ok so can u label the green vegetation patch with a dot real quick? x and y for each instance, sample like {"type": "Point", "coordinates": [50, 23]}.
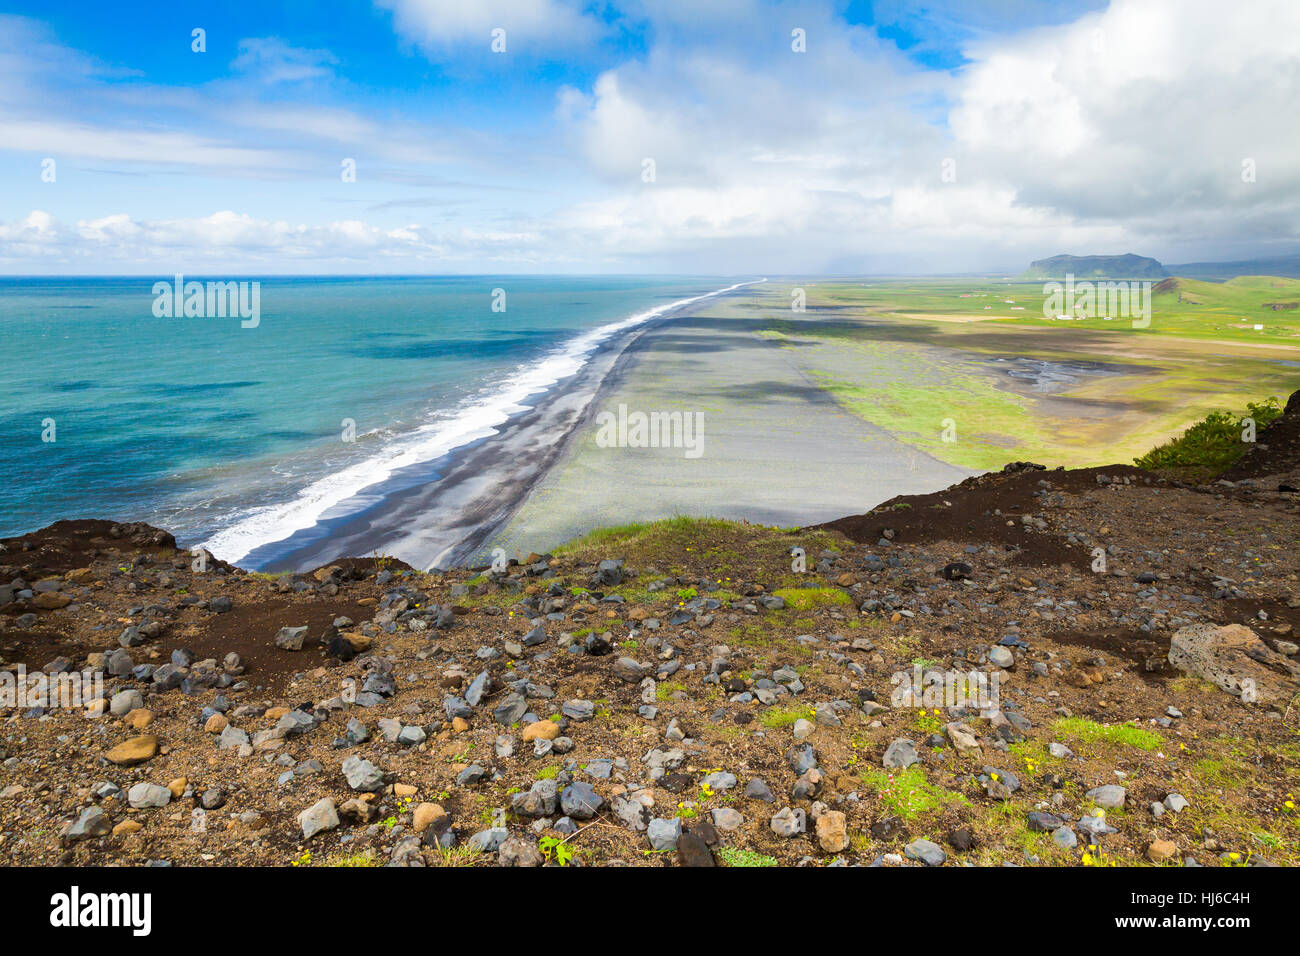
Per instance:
{"type": "Point", "coordinates": [776, 717]}
{"type": "Point", "coordinates": [1214, 444]}
{"type": "Point", "coordinates": [733, 857]}
{"type": "Point", "coordinates": [907, 793]}
{"type": "Point", "coordinates": [1090, 731]}
{"type": "Point", "coordinates": [803, 599]}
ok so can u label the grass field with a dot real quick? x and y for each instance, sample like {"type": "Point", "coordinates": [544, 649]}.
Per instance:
{"type": "Point", "coordinates": [928, 362]}
{"type": "Point", "coordinates": [1181, 307]}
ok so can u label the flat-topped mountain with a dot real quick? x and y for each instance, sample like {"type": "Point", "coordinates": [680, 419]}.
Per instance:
{"type": "Point", "coordinates": [1127, 266]}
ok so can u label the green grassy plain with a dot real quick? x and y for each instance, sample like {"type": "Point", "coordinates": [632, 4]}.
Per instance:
{"type": "Point", "coordinates": [910, 356]}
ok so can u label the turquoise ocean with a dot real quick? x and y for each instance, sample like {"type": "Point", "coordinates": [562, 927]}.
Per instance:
{"type": "Point", "coordinates": [234, 437]}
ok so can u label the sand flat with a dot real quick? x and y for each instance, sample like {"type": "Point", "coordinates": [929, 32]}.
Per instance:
{"type": "Point", "coordinates": [777, 448]}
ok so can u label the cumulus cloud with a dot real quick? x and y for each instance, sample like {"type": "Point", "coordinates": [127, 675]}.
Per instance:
{"type": "Point", "coordinates": [1124, 128]}
{"type": "Point", "coordinates": [1128, 126]}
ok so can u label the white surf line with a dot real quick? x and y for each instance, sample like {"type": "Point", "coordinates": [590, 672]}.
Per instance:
{"type": "Point", "coordinates": [326, 497]}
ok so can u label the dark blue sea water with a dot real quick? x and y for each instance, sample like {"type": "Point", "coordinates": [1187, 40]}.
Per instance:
{"type": "Point", "coordinates": [234, 436]}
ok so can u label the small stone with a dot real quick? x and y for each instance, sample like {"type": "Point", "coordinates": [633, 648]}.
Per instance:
{"type": "Point", "coordinates": [727, 819]}
{"type": "Point", "coordinates": [832, 831]}
{"type": "Point", "coordinates": [541, 730]}
{"type": "Point", "coordinates": [788, 822]}
{"type": "Point", "coordinates": [519, 851]}
{"type": "Point", "coordinates": [931, 854]}
{"type": "Point", "coordinates": [133, 751]}
{"type": "Point", "coordinates": [1064, 837]}
{"type": "Point", "coordinates": [320, 816]}
{"type": "Point", "coordinates": [92, 823]}
{"type": "Point", "coordinates": [1176, 802]}
{"type": "Point", "coordinates": [663, 834]}
{"type": "Point", "coordinates": [216, 724]}
{"type": "Point", "coordinates": [291, 638]}
{"type": "Point", "coordinates": [1161, 850]}
{"type": "Point", "coordinates": [362, 775]}
{"type": "Point", "coordinates": [125, 701]}
{"type": "Point", "coordinates": [144, 795]}
{"type": "Point", "coordinates": [580, 801]}
{"type": "Point", "coordinates": [1109, 797]}
{"type": "Point", "coordinates": [901, 754]}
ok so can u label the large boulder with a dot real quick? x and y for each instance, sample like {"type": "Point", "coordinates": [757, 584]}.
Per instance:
{"type": "Point", "coordinates": [1234, 658]}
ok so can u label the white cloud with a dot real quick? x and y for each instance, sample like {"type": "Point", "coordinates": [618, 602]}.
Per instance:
{"type": "Point", "coordinates": [1124, 130]}
{"type": "Point", "coordinates": [271, 60]}
{"type": "Point", "coordinates": [533, 27]}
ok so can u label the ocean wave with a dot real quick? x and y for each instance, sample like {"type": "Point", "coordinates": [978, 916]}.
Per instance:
{"type": "Point", "coordinates": [476, 419]}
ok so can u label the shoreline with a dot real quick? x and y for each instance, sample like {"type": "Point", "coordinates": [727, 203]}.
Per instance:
{"type": "Point", "coordinates": [437, 514]}
{"type": "Point", "coordinates": [778, 449]}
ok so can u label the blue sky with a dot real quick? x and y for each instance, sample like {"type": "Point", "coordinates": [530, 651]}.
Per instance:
{"type": "Point", "coordinates": [903, 137]}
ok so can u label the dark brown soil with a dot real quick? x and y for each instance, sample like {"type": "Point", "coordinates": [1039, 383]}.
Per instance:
{"type": "Point", "coordinates": [983, 509]}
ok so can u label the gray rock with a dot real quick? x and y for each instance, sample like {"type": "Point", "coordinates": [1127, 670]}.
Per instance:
{"type": "Point", "coordinates": [477, 690]}
{"type": "Point", "coordinates": [519, 851]}
{"type": "Point", "coordinates": [470, 775]}
{"type": "Point", "coordinates": [727, 820]}
{"type": "Point", "coordinates": [118, 663]}
{"type": "Point", "coordinates": [788, 822]}
{"type": "Point", "coordinates": [931, 854]}
{"type": "Point", "coordinates": [540, 801]}
{"type": "Point", "coordinates": [719, 780]}
{"type": "Point", "coordinates": [1095, 826]}
{"type": "Point", "coordinates": [1001, 656]}
{"type": "Point", "coordinates": [168, 677]}
{"type": "Point", "coordinates": [232, 737]}
{"type": "Point", "coordinates": [125, 701]}
{"type": "Point", "coordinates": [901, 754]}
{"type": "Point", "coordinates": [1064, 837]}
{"type": "Point", "coordinates": [290, 638]}
{"type": "Point", "coordinates": [757, 789]}
{"type": "Point", "coordinates": [629, 670]}
{"type": "Point", "coordinates": [144, 795]}
{"type": "Point", "coordinates": [320, 816]}
{"type": "Point", "coordinates": [1176, 802]}
{"type": "Point", "coordinates": [362, 775]}
{"type": "Point", "coordinates": [92, 823]}
{"type": "Point", "coordinates": [488, 841]}
{"type": "Point", "coordinates": [511, 709]}
{"type": "Point", "coordinates": [609, 572]}
{"type": "Point", "coordinates": [1109, 797]}
{"type": "Point", "coordinates": [578, 710]}
{"type": "Point", "coordinates": [295, 723]}
{"type": "Point", "coordinates": [580, 801]}
{"type": "Point", "coordinates": [411, 736]}
{"type": "Point", "coordinates": [630, 813]}
{"type": "Point", "coordinates": [664, 834]}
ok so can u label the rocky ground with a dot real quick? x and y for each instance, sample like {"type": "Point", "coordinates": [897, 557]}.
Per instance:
{"type": "Point", "coordinates": [679, 694]}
